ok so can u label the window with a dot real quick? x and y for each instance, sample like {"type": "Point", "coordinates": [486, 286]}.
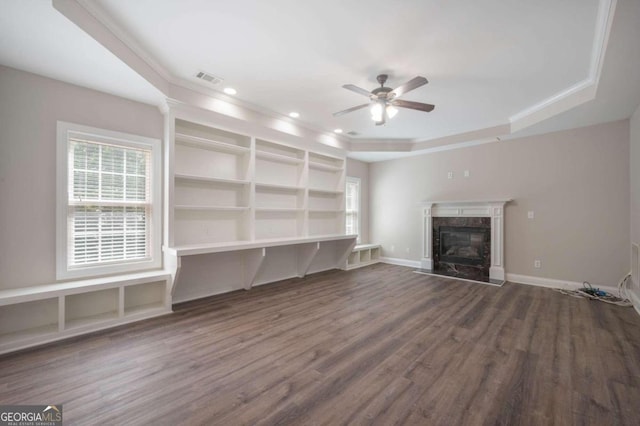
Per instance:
{"type": "Point", "coordinates": [108, 217]}
{"type": "Point", "coordinates": [352, 210]}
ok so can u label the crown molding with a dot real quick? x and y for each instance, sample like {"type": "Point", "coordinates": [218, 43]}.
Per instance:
{"type": "Point", "coordinates": [582, 91]}
{"type": "Point", "coordinates": [97, 23]}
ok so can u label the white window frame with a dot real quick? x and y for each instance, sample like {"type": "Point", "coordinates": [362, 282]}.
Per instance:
{"type": "Point", "coordinates": [65, 131]}
{"type": "Point", "coordinates": [357, 181]}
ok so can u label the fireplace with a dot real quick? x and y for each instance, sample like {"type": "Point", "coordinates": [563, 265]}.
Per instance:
{"type": "Point", "coordinates": [462, 245]}
{"type": "Point", "coordinates": [464, 239]}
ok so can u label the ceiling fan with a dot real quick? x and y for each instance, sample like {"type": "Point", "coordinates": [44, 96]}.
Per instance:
{"type": "Point", "coordinates": [384, 100]}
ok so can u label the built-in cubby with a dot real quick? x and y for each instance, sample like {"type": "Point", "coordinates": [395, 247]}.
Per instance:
{"type": "Point", "coordinates": [325, 222]}
{"type": "Point", "coordinates": [85, 309]}
{"type": "Point", "coordinates": [276, 197]}
{"type": "Point", "coordinates": [363, 255]}
{"type": "Point", "coordinates": [279, 164]}
{"type": "Point", "coordinates": [142, 298]}
{"type": "Point", "coordinates": [28, 320]}
{"type": "Point", "coordinates": [201, 226]}
{"type": "Point", "coordinates": [320, 201]}
{"type": "Point", "coordinates": [276, 223]}
{"type": "Point", "coordinates": [40, 314]}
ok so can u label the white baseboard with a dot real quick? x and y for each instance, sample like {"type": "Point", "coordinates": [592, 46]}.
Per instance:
{"type": "Point", "coordinates": [552, 283]}
{"type": "Point", "coordinates": [401, 262]}
{"type": "Point", "coordinates": [635, 299]}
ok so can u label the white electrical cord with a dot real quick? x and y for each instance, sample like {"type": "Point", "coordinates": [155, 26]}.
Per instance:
{"type": "Point", "coordinates": [587, 292]}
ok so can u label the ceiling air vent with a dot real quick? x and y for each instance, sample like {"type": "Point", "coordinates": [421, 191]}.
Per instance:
{"type": "Point", "coordinates": [352, 133]}
{"type": "Point", "coordinates": [209, 78]}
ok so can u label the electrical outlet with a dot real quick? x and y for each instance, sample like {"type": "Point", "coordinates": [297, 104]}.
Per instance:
{"type": "Point", "coordinates": [449, 175]}
{"type": "Point", "coordinates": [530, 214]}
{"type": "Point", "coordinates": [466, 173]}
{"type": "Point", "coordinates": [408, 250]}
{"type": "Point", "coordinates": [393, 248]}
{"type": "Point", "coordinates": [537, 264]}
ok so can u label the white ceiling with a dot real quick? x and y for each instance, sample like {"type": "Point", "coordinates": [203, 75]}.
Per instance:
{"type": "Point", "coordinates": [35, 37]}
{"type": "Point", "coordinates": [485, 61]}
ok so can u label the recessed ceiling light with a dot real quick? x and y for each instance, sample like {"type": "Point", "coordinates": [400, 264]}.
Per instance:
{"type": "Point", "coordinates": [230, 91]}
{"type": "Point", "coordinates": [338, 130]}
{"type": "Point", "coordinates": [294, 114]}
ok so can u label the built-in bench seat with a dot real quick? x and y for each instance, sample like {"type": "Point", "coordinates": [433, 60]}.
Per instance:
{"type": "Point", "coordinates": [39, 314]}
{"type": "Point", "coordinates": [363, 255]}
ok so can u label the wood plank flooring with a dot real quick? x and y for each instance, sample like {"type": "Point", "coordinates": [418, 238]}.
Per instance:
{"type": "Point", "coordinates": [377, 345]}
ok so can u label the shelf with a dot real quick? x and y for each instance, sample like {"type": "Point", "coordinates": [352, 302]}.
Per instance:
{"type": "Point", "coordinates": [325, 191]}
{"type": "Point", "coordinates": [28, 334]}
{"type": "Point", "coordinates": [211, 179]}
{"type": "Point", "coordinates": [90, 320]}
{"type": "Point", "coordinates": [210, 208]}
{"type": "Point", "coordinates": [17, 295]}
{"type": "Point", "coordinates": [366, 247]}
{"type": "Point", "coordinates": [278, 157]}
{"type": "Point", "coordinates": [321, 166]}
{"type": "Point", "coordinates": [199, 142]}
{"type": "Point", "coordinates": [277, 186]}
{"type": "Point", "coordinates": [195, 249]}
{"type": "Point", "coordinates": [89, 308]}
{"type": "Point", "coordinates": [325, 211]}
{"type": "Point", "coordinates": [144, 309]}
{"type": "Point", "coordinates": [278, 209]}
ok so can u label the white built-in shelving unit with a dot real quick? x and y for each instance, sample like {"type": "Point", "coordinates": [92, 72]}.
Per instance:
{"type": "Point", "coordinates": [249, 199]}
{"type": "Point", "coordinates": [363, 255]}
{"type": "Point", "coordinates": [229, 188]}
{"type": "Point", "coordinates": [45, 313]}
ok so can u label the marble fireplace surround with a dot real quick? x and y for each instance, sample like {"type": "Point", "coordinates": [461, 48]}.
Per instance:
{"type": "Point", "coordinates": [493, 209]}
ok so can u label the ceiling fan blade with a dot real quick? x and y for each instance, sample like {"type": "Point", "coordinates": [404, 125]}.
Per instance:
{"type": "Point", "coordinates": [413, 105]}
{"type": "Point", "coordinates": [355, 108]}
{"type": "Point", "coordinates": [359, 90]}
{"type": "Point", "coordinates": [414, 83]}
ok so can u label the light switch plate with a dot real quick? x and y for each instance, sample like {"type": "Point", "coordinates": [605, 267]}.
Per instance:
{"type": "Point", "coordinates": [530, 215]}
{"type": "Point", "coordinates": [466, 173]}
{"type": "Point", "coordinates": [449, 175]}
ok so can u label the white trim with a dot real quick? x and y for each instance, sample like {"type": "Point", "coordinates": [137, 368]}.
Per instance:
{"type": "Point", "coordinates": [401, 262]}
{"type": "Point", "coordinates": [554, 283]}
{"type": "Point", "coordinates": [580, 92]}
{"type": "Point", "coordinates": [64, 129]}
{"type": "Point", "coordinates": [493, 209]}
{"type": "Point", "coordinates": [358, 182]}
{"type": "Point", "coordinates": [635, 299]}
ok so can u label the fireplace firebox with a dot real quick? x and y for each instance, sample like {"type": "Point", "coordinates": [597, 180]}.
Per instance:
{"type": "Point", "coordinates": [462, 245]}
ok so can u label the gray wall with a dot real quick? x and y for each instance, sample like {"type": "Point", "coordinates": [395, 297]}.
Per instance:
{"type": "Point", "coordinates": [360, 170]}
{"type": "Point", "coordinates": [30, 105]}
{"type": "Point", "coordinates": [635, 188]}
{"type": "Point", "coordinates": [576, 182]}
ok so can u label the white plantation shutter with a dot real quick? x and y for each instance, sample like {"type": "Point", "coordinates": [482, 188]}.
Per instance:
{"type": "Point", "coordinates": [352, 206]}
{"type": "Point", "coordinates": [109, 206]}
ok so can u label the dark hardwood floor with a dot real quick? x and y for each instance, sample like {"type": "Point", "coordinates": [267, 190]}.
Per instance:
{"type": "Point", "coordinates": [376, 345]}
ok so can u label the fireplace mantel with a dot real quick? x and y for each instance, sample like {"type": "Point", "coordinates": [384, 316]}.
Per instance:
{"type": "Point", "coordinates": [466, 208]}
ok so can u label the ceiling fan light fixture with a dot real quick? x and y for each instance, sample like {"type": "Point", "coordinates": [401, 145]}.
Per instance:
{"type": "Point", "coordinates": [376, 111]}
{"type": "Point", "coordinates": [391, 111]}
